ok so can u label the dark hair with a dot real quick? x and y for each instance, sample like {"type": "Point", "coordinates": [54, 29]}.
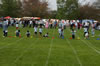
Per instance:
{"type": "Point", "coordinates": [18, 30]}
{"type": "Point", "coordinates": [27, 30]}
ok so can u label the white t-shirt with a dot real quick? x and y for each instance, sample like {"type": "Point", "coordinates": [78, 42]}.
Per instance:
{"type": "Point", "coordinates": [35, 29]}
{"type": "Point", "coordinates": [59, 30]}
{"type": "Point", "coordinates": [30, 22]}
{"type": "Point", "coordinates": [40, 30]}
{"type": "Point", "coordinates": [76, 24]}
{"type": "Point", "coordinates": [16, 25]}
{"type": "Point", "coordinates": [20, 22]}
{"type": "Point", "coordinates": [99, 27]}
{"type": "Point", "coordinates": [7, 22]}
{"type": "Point", "coordinates": [12, 21]}
{"type": "Point", "coordinates": [86, 24]}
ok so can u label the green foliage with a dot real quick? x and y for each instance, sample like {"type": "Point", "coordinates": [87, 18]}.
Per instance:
{"type": "Point", "coordinates": [10, 8]}
{"type": "Point", "coordinates": [68, 9]}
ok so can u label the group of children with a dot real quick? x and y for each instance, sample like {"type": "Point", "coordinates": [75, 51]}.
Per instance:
{"type": "Point", "coordinates": [28, 34]}
{"type": "Point", "coordinates": [62, 26]}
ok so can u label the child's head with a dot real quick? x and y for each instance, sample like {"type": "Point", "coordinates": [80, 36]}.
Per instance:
{"type": "Point", "coordinates": [27, 30]}
{"type": "Point", "coordinates": [18, 30]}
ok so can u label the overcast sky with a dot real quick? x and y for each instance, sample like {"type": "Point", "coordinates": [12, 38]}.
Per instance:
{"type": "Point", "coordinates": [53, 5]}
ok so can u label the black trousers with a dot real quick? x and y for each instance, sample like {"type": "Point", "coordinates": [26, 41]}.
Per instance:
{"type": "Point", "coordinates": [73, 36]}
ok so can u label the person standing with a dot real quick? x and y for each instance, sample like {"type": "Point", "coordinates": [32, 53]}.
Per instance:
{"type": "Point", "coordinates": [40, 30]}
{"type": "Point", "coordinates": [5, 25]}
{"type": "Point", "coordinates": [28, 33]}
{"type": "Point", "coordinates": [73, 34]}
{"type": "Point", "coordinates": [47, 25]}
{"type": "Point", "coordinates": [17, 25]}
{"type": "Point", "coordinates": [30, 23]}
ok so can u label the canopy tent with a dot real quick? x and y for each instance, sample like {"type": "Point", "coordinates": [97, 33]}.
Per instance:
{"type": "Point", "coordinates": [8, 17]}
{"type": "Point", "coordinates": [36, 18]}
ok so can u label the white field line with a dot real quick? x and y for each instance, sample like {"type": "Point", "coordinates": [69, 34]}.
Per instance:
{"type": "Point", "coordinates": [49, 53]}
{"type": "Point", "coordinates": [22, 54]}
{"type": "Point", "coordinates": [91, 46]}
{"type": "Point", "coordinates": [75, 52]}
{"type": "Point", "coordinates": [10, 44]}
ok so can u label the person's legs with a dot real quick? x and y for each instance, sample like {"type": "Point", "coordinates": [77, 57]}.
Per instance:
{"type": "Point", "coordinates": [3, 33]}
{"type": "Point", "coordinates": [73, 36]}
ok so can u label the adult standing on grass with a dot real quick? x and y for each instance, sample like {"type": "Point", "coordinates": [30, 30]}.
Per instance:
{"type": "Point", "coordinates": [20, 22]}
{"type": "Point", "coordinates": [0, 23]}
{"type": "Point", "coordinates": [47, 25]}
{"type": "Point", "coordinates": [5, 25]}
{"type": "Point", "coordinates": [30, 23]}
{"type": "Point", "coordinates": [93, 29]}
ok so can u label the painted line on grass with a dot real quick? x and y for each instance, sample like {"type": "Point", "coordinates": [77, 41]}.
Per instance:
{"type": "Point", "coordinates": [10, 44]}
{"type": "Point", "coordinates": [75, 52]}
{"type": "Point", "coordinates": [22, 54]}
{"type": "Point", "coordinates": [92, 47]}
{"type": "Point", "coordinates": [50, 49]}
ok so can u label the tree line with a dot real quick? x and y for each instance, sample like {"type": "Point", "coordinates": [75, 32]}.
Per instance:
{"type": "Point", "coordinates": [66, 9]}
{"type": "Point", "coordinates": [72, 9]}
{"type": "Point", "coordinates": [18, 8]}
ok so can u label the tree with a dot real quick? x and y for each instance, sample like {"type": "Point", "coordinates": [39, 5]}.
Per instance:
{"type": "Point", "coordinates": [72, 9]}
{"type": "Point", "coordinates": [68, 9]}
{"type": "Point", "coordinates": [60, 10]}
{"type": "Point", "coordinates": [89, 12]}
{"type": "Point", "coordinates": [35, 8]}
{"type": "Point", "coordinates": [10, 8]}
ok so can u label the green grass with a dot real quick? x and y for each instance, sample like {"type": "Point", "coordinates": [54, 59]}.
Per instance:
{"type": "Point", "coordinates": [39, 51]}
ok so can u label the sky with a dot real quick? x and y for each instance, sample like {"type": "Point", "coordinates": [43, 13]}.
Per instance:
{"type": "Point", "coordinates": [53, 4]}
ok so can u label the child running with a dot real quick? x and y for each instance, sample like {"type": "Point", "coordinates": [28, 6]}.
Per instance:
{"type": "Point", "coordinates": [35, 30]}
{"type": "Point", "coordinates": [40, 30]}
{"type": "Point", "coordinates": [73, 34]}
{"type": "Point", "coordinates": [59, 31]}
{"type": "Point", "coordinates": [17, 33]}
{"type": "Point", "coordinates": [46, 35]}
{"type": "Point", "coordinates": [5, 33]}
{"type": "Point", "coordinates": [87, 35]}
{"type": "Point", "coordinates": [17, 26]}
{"type": "Point", "coordinates": [62, 34]}
{"type": "Point", "coordinates": [28, 33]}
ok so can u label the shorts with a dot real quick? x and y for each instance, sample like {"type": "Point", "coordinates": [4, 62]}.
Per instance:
{"type": "Point", "coordinates": [40, 33]}
{"type": "Point", "coordinates": [35, 33]}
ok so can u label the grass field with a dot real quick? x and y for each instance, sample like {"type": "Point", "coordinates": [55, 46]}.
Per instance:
{"type": "Point", "coordinates": [39, 51]}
